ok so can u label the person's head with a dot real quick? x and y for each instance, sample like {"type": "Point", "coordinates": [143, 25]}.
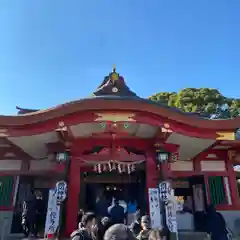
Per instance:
{"type": "Point", "coordinates": [116, 201]}
{"type": "Point", "coordinates": [89, 220]}
{"type": "Point", "coordinates": [145, 222]}
{"type": "Point", "coordinates": [156, 235]}
{"type": "Point", "coordinates": [80, 214]}
{"type": "Point", "coordinates": [106, 222]}
{"type": "Point", "coordinates": [119, 232]}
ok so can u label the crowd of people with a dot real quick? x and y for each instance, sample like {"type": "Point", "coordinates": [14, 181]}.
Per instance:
{"type": "Point", "coordinates": [118, 221]}
{"type": "Point", "coordinates": [114, 226]}
{"type": "Point", "coordinates": [109, 227]}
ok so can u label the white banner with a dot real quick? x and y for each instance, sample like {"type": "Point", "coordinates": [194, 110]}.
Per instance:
{"type": "Point", "coordinates": [53, 210]}
{"type": "Point", "coordinates": [154, 208]}
{"type": "Point", "coordinates": [171, 217]}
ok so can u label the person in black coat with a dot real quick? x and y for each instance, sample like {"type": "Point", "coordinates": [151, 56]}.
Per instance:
{"type": "Point", "coordinates": [215, 224]}
{"type": "Point", "coordinates": [40, 212]}
{"type": "Point", "coordinates": [29, 215]}
{"type": "Point", "coordinates": [117, 213]}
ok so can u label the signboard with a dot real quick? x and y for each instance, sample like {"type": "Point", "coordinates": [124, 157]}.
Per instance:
{"type": "Point", "coordinates": [52, 218]}
{"type": "Point", "coordinates": [154, 208]}
{"type": "Point", "coordinates": [171, 217]}
{"type": "Point", "coordinates": [164, 190]}
{"type": "Point", "coordinates": [61, 191]}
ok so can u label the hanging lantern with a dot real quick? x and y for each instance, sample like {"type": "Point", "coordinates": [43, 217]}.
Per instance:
{"type": "Point", "coordinates": [62, 157]}
{"type": "Point", "coordinates": [123, 168]}
{"type": "Point", "coordinates": [162, 155]}
{"type": "Point", "coordinates": [95, 168]}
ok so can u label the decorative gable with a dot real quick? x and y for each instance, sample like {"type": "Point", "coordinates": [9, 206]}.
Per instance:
{"type": "Point", "coordinates": [107, 153]}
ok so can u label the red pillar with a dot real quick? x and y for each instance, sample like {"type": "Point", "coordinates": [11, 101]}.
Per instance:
{"type": "Point", "coordinates": [152, 174]}
{"type": "Point", "coordinates": [73, 195]}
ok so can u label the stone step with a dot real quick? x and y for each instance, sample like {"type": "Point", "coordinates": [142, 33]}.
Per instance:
{"type": "Point", "coordinates": [193, 235]}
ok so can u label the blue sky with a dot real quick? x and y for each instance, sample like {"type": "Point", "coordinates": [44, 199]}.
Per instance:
{"type": "Point", "coordinates": [54, 51]}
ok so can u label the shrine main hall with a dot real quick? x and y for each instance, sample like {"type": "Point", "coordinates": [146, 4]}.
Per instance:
{"type": "Point", "coordinates": [116, 140]}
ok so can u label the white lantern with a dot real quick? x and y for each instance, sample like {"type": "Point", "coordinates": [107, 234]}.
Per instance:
{"type": "Point", "coordinates": [61, 191]}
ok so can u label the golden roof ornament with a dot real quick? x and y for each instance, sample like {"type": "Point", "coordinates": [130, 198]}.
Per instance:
{"type": "Point", "coordinates": [114, 76]}
{"type": "Point", "coordinates": [114, 85]}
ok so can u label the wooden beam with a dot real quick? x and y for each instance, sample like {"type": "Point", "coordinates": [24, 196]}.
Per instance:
{"type": "Point", "coordinates": [90, 116]}
{"type": "Point", "coordinates": [89, 142]}
{"type": "Point", "coordinates": [65, 134]}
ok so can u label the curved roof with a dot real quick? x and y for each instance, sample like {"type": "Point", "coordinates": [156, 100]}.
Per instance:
{"type": "Point", "coordinates": [113, 94]}
{"type": "Point", "coordinates": [114, 103]}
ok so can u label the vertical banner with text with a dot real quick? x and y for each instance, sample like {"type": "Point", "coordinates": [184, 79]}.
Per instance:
{"type": "Point", "coordinates": [52, 218]}
{"type": "Point", "coordinates": [154, 208]}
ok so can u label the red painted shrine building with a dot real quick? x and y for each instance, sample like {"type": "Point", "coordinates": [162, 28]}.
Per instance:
{"type": "Point", "coordinates": [112, 139]}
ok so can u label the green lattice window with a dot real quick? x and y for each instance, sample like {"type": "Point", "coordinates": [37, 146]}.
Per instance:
{"type": "Point", "coordinates": [217, 190]}
{"type": "Point", "coordinates": [6, 188]}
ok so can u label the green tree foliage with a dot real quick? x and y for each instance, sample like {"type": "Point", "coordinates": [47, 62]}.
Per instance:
{"type": "Point", "coordinates": [200, 100]}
